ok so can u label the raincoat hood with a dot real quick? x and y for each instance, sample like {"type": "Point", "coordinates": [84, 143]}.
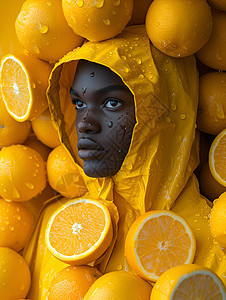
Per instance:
{"type": "Point", "coordinates": [159, 160]}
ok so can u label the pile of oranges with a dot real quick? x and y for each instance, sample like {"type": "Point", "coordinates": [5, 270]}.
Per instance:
{"type": "Point", "coordinates": [33, 162]}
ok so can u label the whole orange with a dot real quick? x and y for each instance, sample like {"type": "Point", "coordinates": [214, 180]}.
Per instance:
{"type": "Point", "coordinates": [211, 117]}
{"type": "Point", "coordinates": [45, 131]}
{"type": "Point", "coordinates": [15, 277]}
{"type": "Point", "coordinates": [72, 283]}
{"type": "Point", "coordinates": [119, 285]}
{"type": "Point", "coordinates": [16, 225]}
{"type": "Point", "coordinates": [43, 31]}
{"type": "Point", "coordinates": [179, 28]}
{"type": "Point", "coordinates": [97, 20]}
{"type": "Point", "coordinates": [22, 173]}
{"type": "Point", "coordinates": [63, 174]}
{"type": "Point", "coordinates": [213, 54]}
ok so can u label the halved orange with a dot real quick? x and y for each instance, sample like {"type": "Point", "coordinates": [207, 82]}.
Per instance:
{"type": "Point", "coordinates": [23, 84]}
{"type": "Point", "coordinates": [79, 231]}
{"type": "Point", "coordinates": [157, 241]}
{"type": "Point", "coordinates": [189, 281]}
{"type": "Point", "coordinates": [217, 158]}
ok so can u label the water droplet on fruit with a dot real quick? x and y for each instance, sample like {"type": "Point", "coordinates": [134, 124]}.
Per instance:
{"type": "Point", "coordinates": [119, 267]}
{"type": "Point", "coordinates": [43, 28]}
{"type": "Point", "coordinates": [29, 185]}
{"type": "Point", "coordinates": [36, 49]}
{"type": "Point", "coordinates": [99, 3]}
{"type": "Point", "coordinates": [11, 228]}
{"type": "Point", "coordinates": [2, 126]}
{"type": "Point", "coordinates": [141, 76]}
{"type": "Point", "coordinates": [33, 85]}
{"type": "Point", "coordinates": [107, 21]}
{"type": "Point", "coordinates": [49, 3]}
{"type": "Point", "coordinates": [113, 12]}
{"type": "Point", "coordinates": [139, 61]}
{"type": "Point", "coordinates": [80, 3]}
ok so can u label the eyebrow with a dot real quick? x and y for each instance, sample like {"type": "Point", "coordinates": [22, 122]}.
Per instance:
{"type": "Point", "coordinates": [107, 89]}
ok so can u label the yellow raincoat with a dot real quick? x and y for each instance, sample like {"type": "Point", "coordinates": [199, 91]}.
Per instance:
{"type": "Point", "coordinates": [157, 172]}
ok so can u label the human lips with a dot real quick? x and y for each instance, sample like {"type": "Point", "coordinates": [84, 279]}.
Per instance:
{"type": "Point", "coordinates": [89, 149]}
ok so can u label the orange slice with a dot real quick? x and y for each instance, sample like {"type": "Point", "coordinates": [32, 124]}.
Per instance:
{"type": "Point", "coordinates": [157, 241]}
{"type": "Point", "coordinates": [79, 231]}
{"type": "Point", "coordinates": [217, 158]}
{"type": "Point", "coordinates": [189, 282]}
{"type": "Point", "coordinates": [23, 84]}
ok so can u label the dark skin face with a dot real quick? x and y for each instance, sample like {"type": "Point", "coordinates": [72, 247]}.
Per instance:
{"type": "Point", "coordinates": [104, 120]}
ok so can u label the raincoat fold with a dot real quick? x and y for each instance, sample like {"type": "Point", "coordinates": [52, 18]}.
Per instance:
{"type": "Point", "coordinates": [157, 172]}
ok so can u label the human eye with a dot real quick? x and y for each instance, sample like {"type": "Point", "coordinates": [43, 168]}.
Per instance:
{"type": "Point", "coordinates": [78, 104]}
{"type": "Point", "coordinates": [112, 103]}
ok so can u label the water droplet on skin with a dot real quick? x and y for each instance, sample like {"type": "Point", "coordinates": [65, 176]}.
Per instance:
{"type": "Point", "coordinates": [110, 124]}
{"type": "Point", "coordinates": [29, 185]}
{"type": "Point", "coordinates": [43, 28]}
{"type": "Point", "coordinates": [182, 116]}
{"type": "Point", "coordinates": [80, 3]}
{"type": "Point", "coordinates": [117, 3]}
{"type": "Point", "coordinates": [107, 22]}
{"type": "Point", "coordinates": [98, 3]}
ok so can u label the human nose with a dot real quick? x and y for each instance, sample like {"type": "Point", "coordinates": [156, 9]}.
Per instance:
{"type": "Point", "coordinates": [89, 123]}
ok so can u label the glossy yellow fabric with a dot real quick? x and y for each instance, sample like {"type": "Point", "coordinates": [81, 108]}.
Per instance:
{"type": "Point", "coordinates": [157, 172]}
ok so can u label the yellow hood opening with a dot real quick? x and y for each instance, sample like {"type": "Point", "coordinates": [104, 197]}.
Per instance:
{"type": "Point", "coordinates": [159, 161]}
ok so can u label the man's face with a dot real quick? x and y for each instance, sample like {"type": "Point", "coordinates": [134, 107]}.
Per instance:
{"type": "Point", "coordinates": [105, 118]}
